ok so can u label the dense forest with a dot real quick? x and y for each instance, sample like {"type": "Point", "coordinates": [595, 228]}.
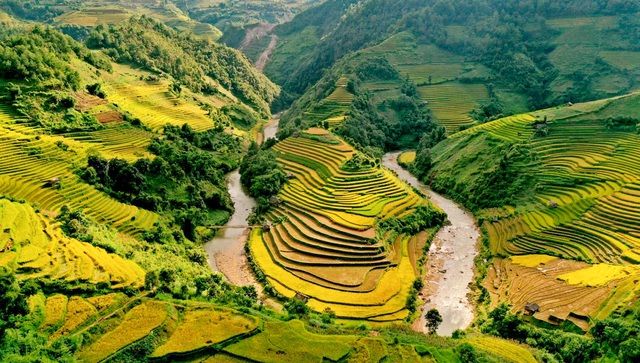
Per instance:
{"type": "Point", "coordinates": [185, 180]}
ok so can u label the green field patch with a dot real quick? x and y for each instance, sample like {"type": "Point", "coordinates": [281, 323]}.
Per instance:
{"type": "Point", "coordinates": [291, 342]}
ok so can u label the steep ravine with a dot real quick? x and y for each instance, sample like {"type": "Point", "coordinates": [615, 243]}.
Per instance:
{"type": "Point", "coordinates": [450, 264]}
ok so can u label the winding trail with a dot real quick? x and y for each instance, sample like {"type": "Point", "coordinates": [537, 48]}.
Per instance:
{"type": "Point", "coordinates": [450, 263]}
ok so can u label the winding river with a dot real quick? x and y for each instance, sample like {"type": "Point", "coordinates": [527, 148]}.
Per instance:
{"type": "Point", "coordinates": [226, 249]}
{"type": "Point", "coordinates": [450, 263]}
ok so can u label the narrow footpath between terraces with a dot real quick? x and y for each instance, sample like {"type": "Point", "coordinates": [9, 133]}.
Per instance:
{"type": "Point", "coordinates": [450, 264]}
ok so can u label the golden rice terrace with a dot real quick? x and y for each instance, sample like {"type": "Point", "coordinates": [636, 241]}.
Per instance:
{"type": "Point", "coordinates": [324, 245]}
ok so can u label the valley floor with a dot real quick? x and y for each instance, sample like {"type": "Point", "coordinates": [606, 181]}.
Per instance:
{"type": "Point", "coordinates": [450, 262]}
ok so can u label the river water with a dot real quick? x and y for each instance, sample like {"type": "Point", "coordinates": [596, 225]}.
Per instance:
{"type": "Point", "coordinates": [226, 250]}
{"type": "Point", "coordinates": [450, 263]}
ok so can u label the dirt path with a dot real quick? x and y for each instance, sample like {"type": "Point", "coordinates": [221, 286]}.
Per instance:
{"type": "Point", "coordinates": [450, 263]}
{"type": "Point", "coordinates": [256, 33]}
{"type": "Point", "coordinates": [266, 54]}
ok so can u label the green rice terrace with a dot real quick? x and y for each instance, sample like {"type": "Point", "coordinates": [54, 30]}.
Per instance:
{"type": "Point", "coordinates": [574, 201]}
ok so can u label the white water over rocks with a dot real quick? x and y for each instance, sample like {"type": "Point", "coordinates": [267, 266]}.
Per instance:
{"type": "Point", "coordinates": [450, 263]}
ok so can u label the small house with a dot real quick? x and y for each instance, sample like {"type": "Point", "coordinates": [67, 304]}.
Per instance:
{"type": "Point", "coordinates": [531, 308]}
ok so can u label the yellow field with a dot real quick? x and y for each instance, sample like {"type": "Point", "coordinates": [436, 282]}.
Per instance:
{"type": "Point", "coordinates": [205, 328]}
{"type": "Point", "coordinates": [78, 311]}
{"type": "Point", "coordinates": [532, 260]}
{"type": "Point", "coordinates": [598, 275]}
{"type": "Point", "coordinates": [327, 249]}
{"type": "Point", "coordinates": [40, 250]}
{"type": "Point", "coordinates": [136, 324]}
{"type": "Point", "coordinates": [55, 310]}
{"type": "Point", "coordinates": [407, 158]}
{"type": "Point", "coordinates": [564, 290]}
{"type": "Point", "coordinates": [510, 351]}
{"type": "Point", "coordinates": [291, 342]}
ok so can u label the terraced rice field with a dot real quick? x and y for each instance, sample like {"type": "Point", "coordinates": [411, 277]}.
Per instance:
{"type": "Point", "coordinates": [333, 108]}
{"type": "Point", "coordinates": [290, 342]}
{"type": "Point", "coordinates": [585, 207]}
{"type": "Point", "coordinates": [136, 325]}
{"type": "Point", "coordinates": [507, 350]}
{"type": "Point", "coordinates": [203, 328]}
{"type": "Point", "coordinates": [114, 327]}
{"type": "Point", "coordinates": [151, 101]}
{"type": "Point", "coordinates": [559, 288]}
{"type": "Point", "coordinates": [31, 160]}
{"type": "Point", "coordinates": [452, 102]}
{"type": "Point", "coordinates": [35, 248]}
{"type": "Point", "coordinates": [327, 248]}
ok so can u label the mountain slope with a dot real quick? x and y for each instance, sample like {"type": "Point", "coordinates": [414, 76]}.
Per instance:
{"type": "Point", "coordinates": [527, 47]}
{"type": "Point", "coordinates": [198, 64]}
{"type": "Point", "coordinates": [556, 182]}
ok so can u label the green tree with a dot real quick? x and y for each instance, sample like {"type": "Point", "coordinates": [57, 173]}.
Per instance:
{"type": "Point", "coordinates": [13, 303]}
{"type": "Point", "coordinates": [630, 350]}
{"type": "Point", "coordinates": [434, 319]}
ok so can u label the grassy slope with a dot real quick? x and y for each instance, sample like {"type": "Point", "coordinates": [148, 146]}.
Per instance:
{"type": "Point", "coordinates": [571, 195]}
{"type": "Point", "coordinates": [118, 327]}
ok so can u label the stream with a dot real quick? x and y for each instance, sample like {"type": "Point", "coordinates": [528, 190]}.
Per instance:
{"type": "Point", "coordinates": [450, 262]}
{"type": "Point", "coordinates": [226, 250]}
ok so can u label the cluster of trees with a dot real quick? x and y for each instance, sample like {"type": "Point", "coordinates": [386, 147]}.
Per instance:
{"type": "Point", "coordinates": [41, 55]}
{"type": "Point", "coordinates": [617, 336]}
{"type": "Point", "coordinates": [623, 123]}
{"type": "Point", "coordinates": [184, 180]}
{"type": "Point", "coordinates": [20, 337]}
{"type": "Point", "coordinates": [37, 59]}
{"type": "Point", "coordinates": [261, 174]}
{"type": "Point", "coordinates": [211, 287]}
{"type": "Point", "coordinates": [396, 124]}
{"type": "Point", "coordinates": [191, 61]}
{"type": "Point", "coordinates": [421, 219]}
{"type": "Point", "coordinates": [35, 9]}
